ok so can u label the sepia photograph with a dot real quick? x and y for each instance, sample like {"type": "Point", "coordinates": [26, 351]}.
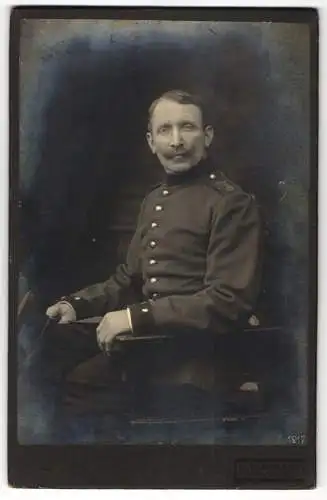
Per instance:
{"type": "Point", "coordinates": [164, 231]}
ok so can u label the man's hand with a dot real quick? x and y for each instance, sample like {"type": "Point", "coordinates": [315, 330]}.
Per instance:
{"type": "Point", "coordinates": [111, 325]}
{"type": "Point", "coordinates": [62, 310]}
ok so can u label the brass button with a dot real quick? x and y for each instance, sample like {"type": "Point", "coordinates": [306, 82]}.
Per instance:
{"type": "Point", "coordinates": [158, 208]}
{"type": "Point", "coordinates": [254, 321]}
{"type": "Point", "coordinates": [153, 244]}
{"type": "Point", "coordinates": [165, 192]}
{"type": "Point", "coordinates": [145, 310]}
{"type": "Point", "coordinates": [155, 295]}
{"type": "Point", "coordinates": [212, 176]}
{"type": "Point", "coordinates": [153, 280]}
{"type": "Point", "coordinates": [154, 224]}
{"type": "Point", "coordinates": [152, 261]}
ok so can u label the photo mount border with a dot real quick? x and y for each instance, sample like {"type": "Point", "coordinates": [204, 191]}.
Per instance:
{"type": "Point", "coordinates": [159, 466]}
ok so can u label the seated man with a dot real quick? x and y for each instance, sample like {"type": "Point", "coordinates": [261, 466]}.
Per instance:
{"type": "Point", "coordinates": [195, 256]}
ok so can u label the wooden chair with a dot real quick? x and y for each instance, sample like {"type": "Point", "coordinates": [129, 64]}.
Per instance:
{"type": "Point", "coordinates": [252, 401]}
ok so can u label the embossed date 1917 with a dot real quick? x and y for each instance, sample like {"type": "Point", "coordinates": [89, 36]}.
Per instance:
{"type": "Point", "coordinates": [296, 438]}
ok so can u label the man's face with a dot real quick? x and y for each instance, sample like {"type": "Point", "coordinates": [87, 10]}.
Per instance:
{"type": "Point", "coordinates": [177, 135]}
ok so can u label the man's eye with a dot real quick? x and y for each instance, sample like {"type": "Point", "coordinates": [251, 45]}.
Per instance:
{"type": "Point", "coordinates": [188, 126]}
{"type": "Point", "coordinates": [163, 130]}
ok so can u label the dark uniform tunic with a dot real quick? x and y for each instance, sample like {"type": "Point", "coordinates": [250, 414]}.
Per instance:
{"type": "Point", "coordinates": [195, 255]}
{"type": "Point", "coordinates": [195, 260]}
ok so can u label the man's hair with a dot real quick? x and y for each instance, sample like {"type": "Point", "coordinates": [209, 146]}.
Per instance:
{"type": "Point", "coordinates": [182, 97]}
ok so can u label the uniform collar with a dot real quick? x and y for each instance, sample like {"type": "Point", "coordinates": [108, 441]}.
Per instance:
{"type": "Point", "coordinates": [202, 169]}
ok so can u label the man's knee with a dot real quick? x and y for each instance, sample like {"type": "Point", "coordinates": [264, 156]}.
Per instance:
{"type": "Point", "coordinates": [97, 371]}
{"type": "Point", "coordinates": [70, 336]}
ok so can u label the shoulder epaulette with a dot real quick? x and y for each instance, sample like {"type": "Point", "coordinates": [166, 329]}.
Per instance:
{"type": "Point", "coordinates": [222, 184]}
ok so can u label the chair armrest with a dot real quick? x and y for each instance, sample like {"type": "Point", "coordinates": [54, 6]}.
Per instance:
{"type": "Point", "coordinates": [124, 337]}
{"type": "Point", "coordinates": [263, 329]}
{"type": "Point", "coordinates": [128, 337]}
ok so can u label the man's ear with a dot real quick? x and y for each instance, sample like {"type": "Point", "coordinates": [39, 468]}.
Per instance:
{"type": "Point", "coordinates": [208, 135]}
{"type": "Point", "coordinates": [150, 142]}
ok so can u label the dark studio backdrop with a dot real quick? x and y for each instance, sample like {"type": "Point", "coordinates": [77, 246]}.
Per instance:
{"type": "Point", "coordinates": [85, 165]}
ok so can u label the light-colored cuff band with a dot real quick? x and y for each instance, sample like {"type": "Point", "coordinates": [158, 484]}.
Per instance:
{"type": "Point", "coordinates": [129, 319]}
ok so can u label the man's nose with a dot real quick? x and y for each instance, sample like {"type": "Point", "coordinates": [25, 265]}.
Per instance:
{"type": "Point", "coordinates": [176, 138]}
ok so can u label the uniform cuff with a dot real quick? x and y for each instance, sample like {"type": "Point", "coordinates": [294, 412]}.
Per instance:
{"type": "Point", "coordinates": [81, 306]}
{"type": "Point", "coordinates": [142, 319]}
{"type": "Point", "coordinates": [129, 319]}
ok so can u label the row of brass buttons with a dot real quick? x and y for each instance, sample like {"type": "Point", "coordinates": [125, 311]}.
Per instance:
{"type": "Point", "coordinates": [154, 224]}
{"type": "Point", "coordinates": [153, 243]}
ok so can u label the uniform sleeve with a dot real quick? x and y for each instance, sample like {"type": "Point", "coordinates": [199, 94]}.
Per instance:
{"type": "Point", "coordinates": [100, 298]}
{"type": "Point", "coordinates": [232, 278]}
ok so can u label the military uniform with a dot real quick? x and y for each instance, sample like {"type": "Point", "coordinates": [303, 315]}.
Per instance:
{"type": "Point", "coordinates": [195, 260]}
{"type": "Point", "coordinates": [195, 257]}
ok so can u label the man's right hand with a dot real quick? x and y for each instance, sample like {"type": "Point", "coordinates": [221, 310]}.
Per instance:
{"type": "Point", "coordinates": [62, 311]}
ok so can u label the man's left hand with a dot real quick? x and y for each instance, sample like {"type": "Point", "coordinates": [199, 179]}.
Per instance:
{"type": "Point", "coordinates": [111, 325]}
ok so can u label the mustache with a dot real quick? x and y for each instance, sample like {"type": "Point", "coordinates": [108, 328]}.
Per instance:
{"type": "Point", "coordinates": [177, 152]}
